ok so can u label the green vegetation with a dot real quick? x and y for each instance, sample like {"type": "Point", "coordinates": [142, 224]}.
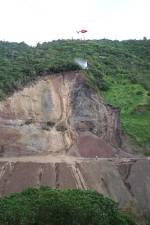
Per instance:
{"type": "Point", "coordinates": [47, 206]}
{"type": "Point", "coordinates": [120, 71]}
{"type": "Point", "coordinates": [132, 99]}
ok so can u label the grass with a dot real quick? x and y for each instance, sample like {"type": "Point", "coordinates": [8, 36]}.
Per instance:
{"type": "Point", "coordinates": [133, 101]}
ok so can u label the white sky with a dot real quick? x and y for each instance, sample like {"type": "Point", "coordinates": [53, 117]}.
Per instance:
{"type": "Point", "coordinates": [35, 21]}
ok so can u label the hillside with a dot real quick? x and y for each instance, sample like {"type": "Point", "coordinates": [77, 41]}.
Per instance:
{"type": "Point", "coordinates": [118, 71]}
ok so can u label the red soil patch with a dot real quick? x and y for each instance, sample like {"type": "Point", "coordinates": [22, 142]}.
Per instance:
{"type": "Point", "coordinates": [92, 146]}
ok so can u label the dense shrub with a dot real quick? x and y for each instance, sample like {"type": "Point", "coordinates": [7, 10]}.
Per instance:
{"type": "Point", "coordinates": [47, 206]}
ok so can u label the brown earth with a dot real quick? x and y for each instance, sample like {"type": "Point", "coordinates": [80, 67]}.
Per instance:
{"type": "Point", "coordinates": [124, 180]}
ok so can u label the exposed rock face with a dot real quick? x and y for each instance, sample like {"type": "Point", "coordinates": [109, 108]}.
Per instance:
{"type": "Point", "coordinates": [126, 181]}
{"type": "Point", "coordinates": [58, 114]}
{"type": "Point", "coordinates": [55, 119]}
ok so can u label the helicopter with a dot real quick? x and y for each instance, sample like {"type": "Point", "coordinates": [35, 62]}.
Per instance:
{"type": "Point", "coordinates": [82, 31]}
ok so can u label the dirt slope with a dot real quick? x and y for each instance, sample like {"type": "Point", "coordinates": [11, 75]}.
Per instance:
{"type": "Point", "coordinates": [127, 181]}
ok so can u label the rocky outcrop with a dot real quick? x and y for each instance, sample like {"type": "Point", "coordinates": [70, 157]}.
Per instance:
{"type": "Point", "coordinates": [58, 114]}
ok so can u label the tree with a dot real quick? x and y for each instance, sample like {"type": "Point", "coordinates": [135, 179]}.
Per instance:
{"type": "Point", "coordinates": [46, 206]}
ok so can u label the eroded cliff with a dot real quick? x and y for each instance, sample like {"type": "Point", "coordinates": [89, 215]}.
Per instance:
{"type": "Point", "coordinates": [57, 132]}
{"type": "Point", "coordinates": [58, 114]}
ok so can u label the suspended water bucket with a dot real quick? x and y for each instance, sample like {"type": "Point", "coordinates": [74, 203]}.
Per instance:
{"type": "Point", "coordinates": [81, 63]}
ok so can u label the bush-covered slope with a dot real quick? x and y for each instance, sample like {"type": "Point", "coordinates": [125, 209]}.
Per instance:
{"type": "Point", "coordinates": [120, 71]}
{"type": "Point", "coordinates": [47, 206]}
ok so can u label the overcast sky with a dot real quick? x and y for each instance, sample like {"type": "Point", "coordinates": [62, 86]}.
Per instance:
{"type": "Point", "coordinates": [35, 21]}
